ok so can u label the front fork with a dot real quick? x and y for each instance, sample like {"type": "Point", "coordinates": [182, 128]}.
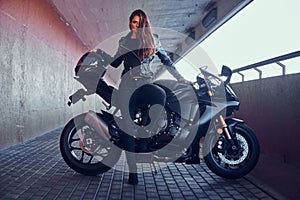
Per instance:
{"type": "Point", "coordinates": [227, 127]}
{"type": "Point", "coordinates": [224, 128]}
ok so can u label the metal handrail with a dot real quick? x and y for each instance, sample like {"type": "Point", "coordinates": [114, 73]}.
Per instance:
{"type": "Point", "coordinates": [266, 62]}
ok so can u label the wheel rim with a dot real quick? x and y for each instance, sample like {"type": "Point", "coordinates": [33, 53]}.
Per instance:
{"type": "Point", "coordinates": [85, 146]}
{"type": "Point", "coordinates": [245, 150]}
{"type": "Point", "coordinates": [235, 158]}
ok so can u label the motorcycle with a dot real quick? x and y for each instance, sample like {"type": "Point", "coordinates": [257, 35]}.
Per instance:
{"type": "Point", "coordinates": [90, 142]}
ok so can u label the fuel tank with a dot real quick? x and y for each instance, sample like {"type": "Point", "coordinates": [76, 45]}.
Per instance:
{"type": "Point", "coordinates": [181, 98]}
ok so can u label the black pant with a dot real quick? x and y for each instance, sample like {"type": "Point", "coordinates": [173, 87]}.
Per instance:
{"type": "Point", "coordinates": [136, 93]}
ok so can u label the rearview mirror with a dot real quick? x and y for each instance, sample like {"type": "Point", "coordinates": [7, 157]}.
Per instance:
{"type": "Point", "coordinates": [226, 71]}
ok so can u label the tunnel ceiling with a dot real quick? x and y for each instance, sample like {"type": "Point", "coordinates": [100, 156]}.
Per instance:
{"type": "Point", "coordinates": [94, 21]}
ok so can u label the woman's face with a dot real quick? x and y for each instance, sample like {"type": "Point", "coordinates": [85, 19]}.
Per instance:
{"type": "Point", "coordinates": [134, 23]}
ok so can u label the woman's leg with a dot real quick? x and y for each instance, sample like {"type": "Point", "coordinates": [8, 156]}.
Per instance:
{"type": "Point", "coordinates": [127, 125]}
{"type": "Point", "coordinates": [129, 145]}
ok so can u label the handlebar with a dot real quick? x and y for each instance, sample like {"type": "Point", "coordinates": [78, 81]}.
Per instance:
{"type": "Point", "coordinates": [225, 71]}
{"type": "Point", "coordinates": [208, 82]}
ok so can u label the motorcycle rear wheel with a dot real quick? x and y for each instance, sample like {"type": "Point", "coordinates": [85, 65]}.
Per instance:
{"type": "Point", "coordinates": [77, 154]}
{"type": "Point", "coordinates": [232, 164]}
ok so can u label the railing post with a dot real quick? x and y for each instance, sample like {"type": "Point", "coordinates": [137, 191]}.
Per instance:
{"type": "Point", "coordinates": [282, 66]}
{"type": "Point", "coordinates": [259, 72]}
{"type": "Point", "coordinates": [243, 76]}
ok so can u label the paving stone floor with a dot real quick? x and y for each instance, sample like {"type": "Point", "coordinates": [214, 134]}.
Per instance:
{"type": "Point", "coordinates": [35, 170]}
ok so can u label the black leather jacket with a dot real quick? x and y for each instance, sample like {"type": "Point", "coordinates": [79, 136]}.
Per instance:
{"type": "Point", "coordinates": [127, 52]}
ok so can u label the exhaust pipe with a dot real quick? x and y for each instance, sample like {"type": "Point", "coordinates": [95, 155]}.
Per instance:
{"type": "Point", "coordinates": [92, 119]}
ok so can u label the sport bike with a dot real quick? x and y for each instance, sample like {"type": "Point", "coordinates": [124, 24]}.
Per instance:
{"type": "Point", "coordinates": [193, 115]}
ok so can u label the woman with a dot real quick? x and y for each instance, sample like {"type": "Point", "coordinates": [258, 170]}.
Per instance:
{"type": "Point", "coordinates": [137, 50]}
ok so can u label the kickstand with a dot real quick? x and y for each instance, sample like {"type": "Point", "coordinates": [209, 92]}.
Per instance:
{"type": "Point", "coordinates": [155, 170]}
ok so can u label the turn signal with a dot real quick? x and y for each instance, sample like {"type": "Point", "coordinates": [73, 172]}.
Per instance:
{"type": "Point", "coordinates": [219, 131]}
{"type": "Point", "coordinates": [209, 93]}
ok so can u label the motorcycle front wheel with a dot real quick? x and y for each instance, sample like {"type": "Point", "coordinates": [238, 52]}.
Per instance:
{"type": "Point", "coordinates": [84, 151]}
{"type": "Point", "coordinates": [232, 161]}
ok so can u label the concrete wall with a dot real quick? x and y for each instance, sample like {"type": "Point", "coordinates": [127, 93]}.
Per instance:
{"type": "Point", "coordinates": [225, 10]}
{"type": "Point", "coordinates": [271, 107]}
{"type": "Point", "coordinates": [38, 53]}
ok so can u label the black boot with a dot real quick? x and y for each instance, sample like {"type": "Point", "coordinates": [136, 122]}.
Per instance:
{"type": "Point", "coordinates": [133, 179]}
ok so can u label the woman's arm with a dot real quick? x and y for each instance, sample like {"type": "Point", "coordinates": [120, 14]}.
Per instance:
{"type": "Point", "coordinates": [119, 56]}
{"type": "Point", "coordinates": [166, 60]}
{"type": "Point", "coordinates": [114, 61]}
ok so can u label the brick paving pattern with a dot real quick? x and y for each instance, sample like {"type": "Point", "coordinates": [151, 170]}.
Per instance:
{"type": "Point", "coordinates": [36, 170]}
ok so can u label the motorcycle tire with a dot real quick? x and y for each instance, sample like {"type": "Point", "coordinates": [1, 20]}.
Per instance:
{"type": "Point", "coordinates": [78, 157]}
{"type": "Point", "coordinates": [237, 164]}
